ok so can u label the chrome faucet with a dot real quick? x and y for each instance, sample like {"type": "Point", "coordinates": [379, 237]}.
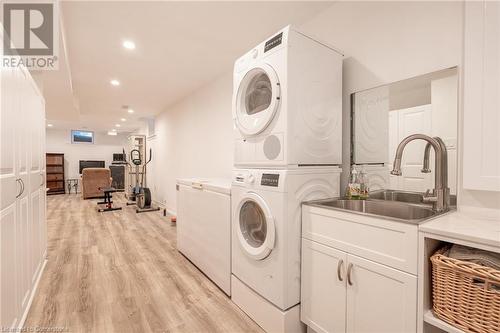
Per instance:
{"type": "Point", "coordinates": [440, 196]}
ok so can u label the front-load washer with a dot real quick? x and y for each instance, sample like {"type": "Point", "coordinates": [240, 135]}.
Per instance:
{"type": "Point", "coordinates": [287, 103]}
{"type": "Point", "coordinates": [266, 233]}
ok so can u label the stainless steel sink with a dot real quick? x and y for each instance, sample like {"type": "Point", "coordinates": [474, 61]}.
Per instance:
{"type": "Point", "coordinates": [401, 211]}
{"type": "Point", "coordinates": [404, 196]}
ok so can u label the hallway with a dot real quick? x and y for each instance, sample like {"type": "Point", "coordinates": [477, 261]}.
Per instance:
{"type": "Point", "coordinates": [120, 271]}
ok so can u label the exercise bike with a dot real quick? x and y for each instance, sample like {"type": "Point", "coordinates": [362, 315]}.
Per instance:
{"type": "Point", "coordinates": [140, 195]}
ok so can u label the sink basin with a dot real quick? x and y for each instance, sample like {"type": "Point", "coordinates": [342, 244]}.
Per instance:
{"type": "Point", "coordinates": [401, 211]}
{"type": "Point", "coordinates": [391, 195]}
{"type": "Point", "coordinates": [403, 196]}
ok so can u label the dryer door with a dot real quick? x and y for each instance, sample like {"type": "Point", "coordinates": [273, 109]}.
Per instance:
{"type": "Point", "coordinates": [256, 100]}
{"type": "Point", "coordinates": [255, 226]}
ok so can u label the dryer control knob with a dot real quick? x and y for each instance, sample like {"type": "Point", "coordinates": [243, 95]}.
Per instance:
{"type": "Point", "coordinates": [251, 179]}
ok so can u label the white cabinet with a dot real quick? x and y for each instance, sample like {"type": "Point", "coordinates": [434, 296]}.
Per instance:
{"type": "Point", "coordinates": [481, 138]}
{"type": "Point", "coordinates": [323, 287]}
{"type": "Point", "coordinates": [352, 277]}
{"type": "Point", "coordinates": [8, 305]}
{"type": "Point", "coordinates": [22, 193]}
{"type": "Point", "coordinates": [380, 298]}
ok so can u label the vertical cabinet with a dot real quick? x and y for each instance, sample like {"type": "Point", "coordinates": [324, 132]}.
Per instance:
{"type": "Point", "coordinates": [22, 193]}
{"type": "Point", "coordinates": [481, 120]}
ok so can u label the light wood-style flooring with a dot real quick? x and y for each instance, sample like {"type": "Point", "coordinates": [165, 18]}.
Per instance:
{"type": "Point", "coordinates": [121, 272]}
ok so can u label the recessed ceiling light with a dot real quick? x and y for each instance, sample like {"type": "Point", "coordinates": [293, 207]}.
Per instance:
{"type": "Point", "coordinates": [112, 133]}
{"type": "Point", "coordinates": [114, 82]}
{"type": "Point", "coordinates": [49, 125]}
{"type": "Point", "coordinates": [128, 44]}
{"type": "Point", "coordinates": [123, 119]}
{"type": "Point", "coordinates": [114, 129]}
{"type": "Point", "coordinates": [130, 111]}
{"type": "Point", "coordinates": [118, 125]}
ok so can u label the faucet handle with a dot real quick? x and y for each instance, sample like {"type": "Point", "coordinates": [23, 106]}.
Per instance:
{"type": "Point", "coordinates": [428, 197]}
{"type": "Point", "coordinates": [396, 172]}
{"type": "Point", "coordinates": [425, 170]}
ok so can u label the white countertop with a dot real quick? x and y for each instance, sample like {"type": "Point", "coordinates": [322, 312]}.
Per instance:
{"type": "Point", "coordinates": [468, 224]}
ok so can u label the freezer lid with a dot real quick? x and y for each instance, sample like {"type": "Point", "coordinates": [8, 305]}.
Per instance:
{"type": "Point", "coordinates": [211, 184]}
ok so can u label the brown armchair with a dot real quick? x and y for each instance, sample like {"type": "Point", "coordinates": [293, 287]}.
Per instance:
{"type": "Point", "coordinates": [93, 179]}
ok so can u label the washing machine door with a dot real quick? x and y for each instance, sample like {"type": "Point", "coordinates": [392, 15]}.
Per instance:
{"type": "Point", "coordinates": [256, 100]}
{"type": "Point", "coordinates": [255, 226]}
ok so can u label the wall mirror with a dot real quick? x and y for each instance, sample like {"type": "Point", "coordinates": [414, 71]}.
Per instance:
{"type": "Point", "coordinates": [382, 116]}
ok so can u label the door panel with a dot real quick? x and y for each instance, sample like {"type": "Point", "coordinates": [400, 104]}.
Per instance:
{"type": "Point", "coordinates": [323, 294]}
{"type": "Point", "coordinates": [380, 299]}
{"type": "Point", "coordinates": [8, 185]}
{"type": "Point", "coordinates": [410, 121]}
{"type": "Point", "coordinates": [8, 299]}
{"type": "Point", "coordinates": [24, 254]}
{"type": "Point", "coordinates": [35, 234]}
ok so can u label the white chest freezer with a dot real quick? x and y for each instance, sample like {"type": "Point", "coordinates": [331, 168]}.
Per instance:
{"type": "Point", "coordinates": [204, 227]}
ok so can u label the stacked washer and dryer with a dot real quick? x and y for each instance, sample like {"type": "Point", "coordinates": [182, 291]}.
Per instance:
{"type": "Point", "coordinates": [287, 110]}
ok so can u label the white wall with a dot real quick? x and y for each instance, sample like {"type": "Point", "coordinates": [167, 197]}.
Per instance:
{"type": "Point", "coordinates": [59, 141]}
{"type": "Point", "coordinates": [383, 42]}
{"type": "Point", "coordinates": [192, 139]}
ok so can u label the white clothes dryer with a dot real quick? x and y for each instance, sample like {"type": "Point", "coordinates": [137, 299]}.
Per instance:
{"type": "Point", "coordinates": [287, 103]}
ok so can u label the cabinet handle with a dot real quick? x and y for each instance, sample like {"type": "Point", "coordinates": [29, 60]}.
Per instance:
{"type": "Point", "coordinates": [22, 186]}
{"type": "Point", "coordinates": [339, 270]}
{"type": "Point", "coordinates": [18, 180]}
{"type": "Point", "coordinates": [349, 270]}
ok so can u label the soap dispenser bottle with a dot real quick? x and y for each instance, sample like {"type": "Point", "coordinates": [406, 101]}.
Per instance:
{"type": "Point", "coordinates": [353, 188]}
{"type": "Point", "coordinates": [363, 184]}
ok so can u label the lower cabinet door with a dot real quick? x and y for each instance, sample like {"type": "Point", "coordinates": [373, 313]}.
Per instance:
{"type": "Point", "coordinates": [8, 296]}
{"type": "Point", "coordinates": [380, 298]}
{"type": "Point", "coordinates": [323, 287]}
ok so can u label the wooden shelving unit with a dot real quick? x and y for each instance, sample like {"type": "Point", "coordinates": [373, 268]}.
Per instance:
{"type": "Point", "coordinates": [55, 173]}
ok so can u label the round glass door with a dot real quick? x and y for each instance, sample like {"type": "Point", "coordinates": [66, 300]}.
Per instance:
{"type": "Point", "coordinates": [255, 227]}
{"type": "Point", "coordinates": [257, 100]}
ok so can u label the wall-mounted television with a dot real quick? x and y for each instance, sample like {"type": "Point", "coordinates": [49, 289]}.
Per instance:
{"type": "Point", "coordinates": [91, 164]}
{"type": "Point", "coordinates": [78, 136]}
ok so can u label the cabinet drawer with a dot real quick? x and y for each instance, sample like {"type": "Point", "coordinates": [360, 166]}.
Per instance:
{"type": "Point", "coordinates": [387, 242]}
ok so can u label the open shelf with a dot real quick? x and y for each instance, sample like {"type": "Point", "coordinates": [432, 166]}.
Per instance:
{"type": "Point", "coordinates": [431, 319]}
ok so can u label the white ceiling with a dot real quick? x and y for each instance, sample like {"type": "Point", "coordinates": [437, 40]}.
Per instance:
{"type": "Point", "coordinates": [180, 46]}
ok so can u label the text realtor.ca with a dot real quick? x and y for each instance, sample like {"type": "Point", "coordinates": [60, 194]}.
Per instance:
{"type": "Point", "coordinates": [30, 62]}
{"type": "Point", "coordinates": [31, 37]}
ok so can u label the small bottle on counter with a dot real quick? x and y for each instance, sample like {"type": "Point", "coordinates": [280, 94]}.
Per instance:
{"type": "Point", "coordinates": [354, 187]}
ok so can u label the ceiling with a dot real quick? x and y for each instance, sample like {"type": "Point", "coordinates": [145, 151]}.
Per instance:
{"type": "Point", "coordinates": [180, 46]}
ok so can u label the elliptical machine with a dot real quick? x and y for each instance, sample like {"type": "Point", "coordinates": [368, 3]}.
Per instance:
{"type": "Point", "coordinates": [140, 195]}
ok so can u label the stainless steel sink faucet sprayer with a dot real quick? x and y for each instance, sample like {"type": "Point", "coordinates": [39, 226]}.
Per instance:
{"type": "Point", "coordinates": [440, 196]}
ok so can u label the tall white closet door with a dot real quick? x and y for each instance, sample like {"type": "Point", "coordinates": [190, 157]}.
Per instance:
{"type": "Point", "coordinates": [9, 188]}
{"type": "Point", "coordinates": [481, 138]}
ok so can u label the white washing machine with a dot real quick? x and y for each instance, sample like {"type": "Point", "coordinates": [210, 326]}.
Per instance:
{"type": "Point", "coordinates": [266, 231]}
{"type": "Point", "coordinates": [287, 103]}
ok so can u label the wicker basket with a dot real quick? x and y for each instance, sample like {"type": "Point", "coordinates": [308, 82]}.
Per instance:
{"type": "Point", "coordinates": [465, 295]}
